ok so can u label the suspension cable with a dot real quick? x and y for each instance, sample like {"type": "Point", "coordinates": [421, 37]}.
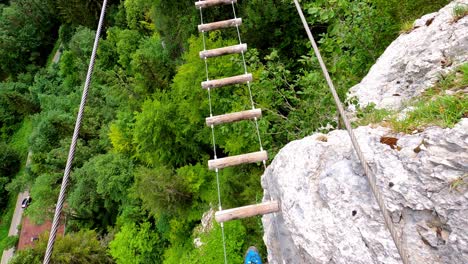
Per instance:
{"type": "Point", "coordinates": [71, 154]}
{"type": "Point", "coordinates": [218, 185]}
{"type": "Point", "coordinates": [367, 170]}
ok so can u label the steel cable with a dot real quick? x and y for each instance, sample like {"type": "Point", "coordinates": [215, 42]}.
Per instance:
{"type": "Point", "coordinates": [71, 154]}
{"type": "Point", "coordinates": [367, 170]}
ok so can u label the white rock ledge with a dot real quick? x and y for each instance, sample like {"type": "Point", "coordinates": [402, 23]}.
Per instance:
{"type": "Point", "coordinates": [414, 61]}
{"type": "Point", "coordinates": [329, 215]}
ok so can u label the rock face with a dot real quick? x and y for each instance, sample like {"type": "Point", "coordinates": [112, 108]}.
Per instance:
{"type": "Point", "coordinates": [329, 215]}
{"type": "Point", "coordinates": [414, 61]}
{"type": "Point", "coordinates": [328, 212]}
{"type": "Point", "coordinates": [205, 227]}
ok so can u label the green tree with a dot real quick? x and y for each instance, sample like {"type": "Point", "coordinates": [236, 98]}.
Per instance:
{"type": "Point", "coordinates": [176, 21]}
{"type": "Point", "coordinates": [26, 30]}
{"type": "Point", "coordinates": [211, 250]}
{"type": "Point", "coordinates": [120, 133]}
{"type": "Point", "coordinates": [278, 18]}
{"type": "Point", "coordinates": [152, 66]}
{"type": "Point", "coordinates": [137, 243]}
{"type": "Point", "coordinates": [161, 191]}
{"type": "Point", "coordinates": [9, 165]}
{"type": "Point", "coordinates": [99, 189]}
{"type": "Point", "coordinates": [44, 192]}
{"type": "Point", "coordinates": [79, 12]}
{"type": "Point", "coordinates": [170, 128]}
{"type": "Point", "coordinates": [74, 248]}
{"type": "Point", "coordinates": [74, 61]}
{"type": "Point", "coordinates": [16, 102]}
{"type": "Point", "coordinates": [404, 11]}
{"type": "Point", "coordinates": [156, 135]}
{"type": "Point", "coordinates": [4, 195]}
{"type": "Point", "coordinates": [114, 71]}
{"type": "Point", "coordinates": [9, 160]}
{"type": "Point", "coordinates": [49, 128]}
{"type": "Point", "coordinates": [138, 14]}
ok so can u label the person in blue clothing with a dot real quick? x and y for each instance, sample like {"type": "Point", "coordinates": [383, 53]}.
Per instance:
{"type": "Point", "coordinates": [252, 256]}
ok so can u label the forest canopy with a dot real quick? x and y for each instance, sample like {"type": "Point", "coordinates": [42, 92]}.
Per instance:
{"type": "Point", "coordinates": [140, 179]}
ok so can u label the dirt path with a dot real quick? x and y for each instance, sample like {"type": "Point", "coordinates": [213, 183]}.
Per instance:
{"type": "Point", "coordinates": [16, 219]}
{"type": "Point", "coordinates": [15, 222]}
{"type": "Point", "coordinates": [57, 55]}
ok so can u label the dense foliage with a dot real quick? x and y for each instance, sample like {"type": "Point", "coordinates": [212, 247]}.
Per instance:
{"type": "Point", "coordinates": [140, 177]}
{"type": "Point", "coordinates": [26, 35]}
{"type": "Point", "coordinates": [9, 165]}
{"type": "Point", "coordinates": [79, 247]}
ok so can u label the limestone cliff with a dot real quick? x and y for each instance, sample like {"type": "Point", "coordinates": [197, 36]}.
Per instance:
{"type": "Point", "coordinates": [328, 213]}
{"type": "Point", "coordinates": [436, 44]}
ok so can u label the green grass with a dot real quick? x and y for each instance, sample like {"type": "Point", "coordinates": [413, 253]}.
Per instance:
{"type": "Point", "coordinates": [442, 105]}
{"type": "Point", "coordinates": [20, 142]}
{"type": "Point", "coordinates": [459, 183]}
{"type": "Point", "coordinates": [20, 139]}
{"type": "Point", "coordinates": [442, 111]}
{"type": "Point", "coordinates": [371, 115]}
{"type": "Point", "coordinates": [406, 27]}
{"type": "Point", "coordinates": [460, 11]}
{"type": "Point", "coordinates": [6, 221]}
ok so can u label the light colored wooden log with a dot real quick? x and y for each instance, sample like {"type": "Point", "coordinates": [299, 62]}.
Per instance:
{"type": "Point", "coordinates": [223, 51]}
{"type": "Point", "coordinates": [233, 117]}
{"type": "Point", "coordinates": [244, 78]}
{"type": "Point", "coordinates": [237, 160]}
{"type": "Point", "coordinates": [247, 211]}
{"type": "Point", "coordinates": [220, 25]}
{"type": "Point", "coordinates": [208, 3]}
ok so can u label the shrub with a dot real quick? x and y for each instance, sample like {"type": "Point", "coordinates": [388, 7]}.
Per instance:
{"type": "Point", "coordinates": [459, 11]}
{"type": "Point", "coordinates": [11, 241]}
{"type": "Point", "coordinates": [407, 27]}
{"type": "Point", "coordinates": [9, 160]}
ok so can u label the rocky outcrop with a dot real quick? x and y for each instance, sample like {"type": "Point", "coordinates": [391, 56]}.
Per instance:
{"type": "Point", "coordinates": [205, 226]}
{"type": "Point", "coordinates": [415, 60]}
{"type": "Point", "coordinates": [329, 215]}
{"type": "Point", "coordinates": [328, 212]}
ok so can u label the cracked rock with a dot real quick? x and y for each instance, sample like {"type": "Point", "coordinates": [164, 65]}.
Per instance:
{"type": "Point", "coordinates": [414, 61]}
{"type": "Point", "coordinates": [329, 214]}
{"type": "Point", "coordinates": [328, 211]}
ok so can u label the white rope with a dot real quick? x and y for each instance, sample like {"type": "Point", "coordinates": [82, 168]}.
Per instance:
{"type": "Point", "coordinates": [71, 154]}
{"type": "Point", "coordinates": [275, 223]}
{"type": "Point", "coordinates": [213, 134]}
{"type": "Point", "coordinates": [220, 207]}
{"type": "Point", "coordinates": [369, 173]}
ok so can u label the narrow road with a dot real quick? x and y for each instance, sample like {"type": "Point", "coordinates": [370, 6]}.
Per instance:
{"type": "Point", "coordinates": [15, 222]}
{"type": "Point", "coordinates": [16, 219]}
{"type": "Point", "coordinates": [57, 55]}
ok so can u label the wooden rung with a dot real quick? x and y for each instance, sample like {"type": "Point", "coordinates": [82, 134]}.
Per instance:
{"type": "Point", "coordinates": [247, 211]}
{"type": "Point", "coordinates": [223, 51]}
{"type": "Point", "coordinates": [227, 81]}
{"type": "Point", "coordinates": [237, 160]}
{"type": "Point", "coordinates": [208, 3]}
{"type": "Point", "coordinates": [233, 117]}
{"type": "Point", "coordinates": [220, 25]}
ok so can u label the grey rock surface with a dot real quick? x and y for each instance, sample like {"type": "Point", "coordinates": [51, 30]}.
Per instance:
{"type": "Point", "coordinates": [205, 226]}
{"type": "Point", "coordinates": [329, 214]}
{"type": "Point", "coordinates": [414, 61]}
